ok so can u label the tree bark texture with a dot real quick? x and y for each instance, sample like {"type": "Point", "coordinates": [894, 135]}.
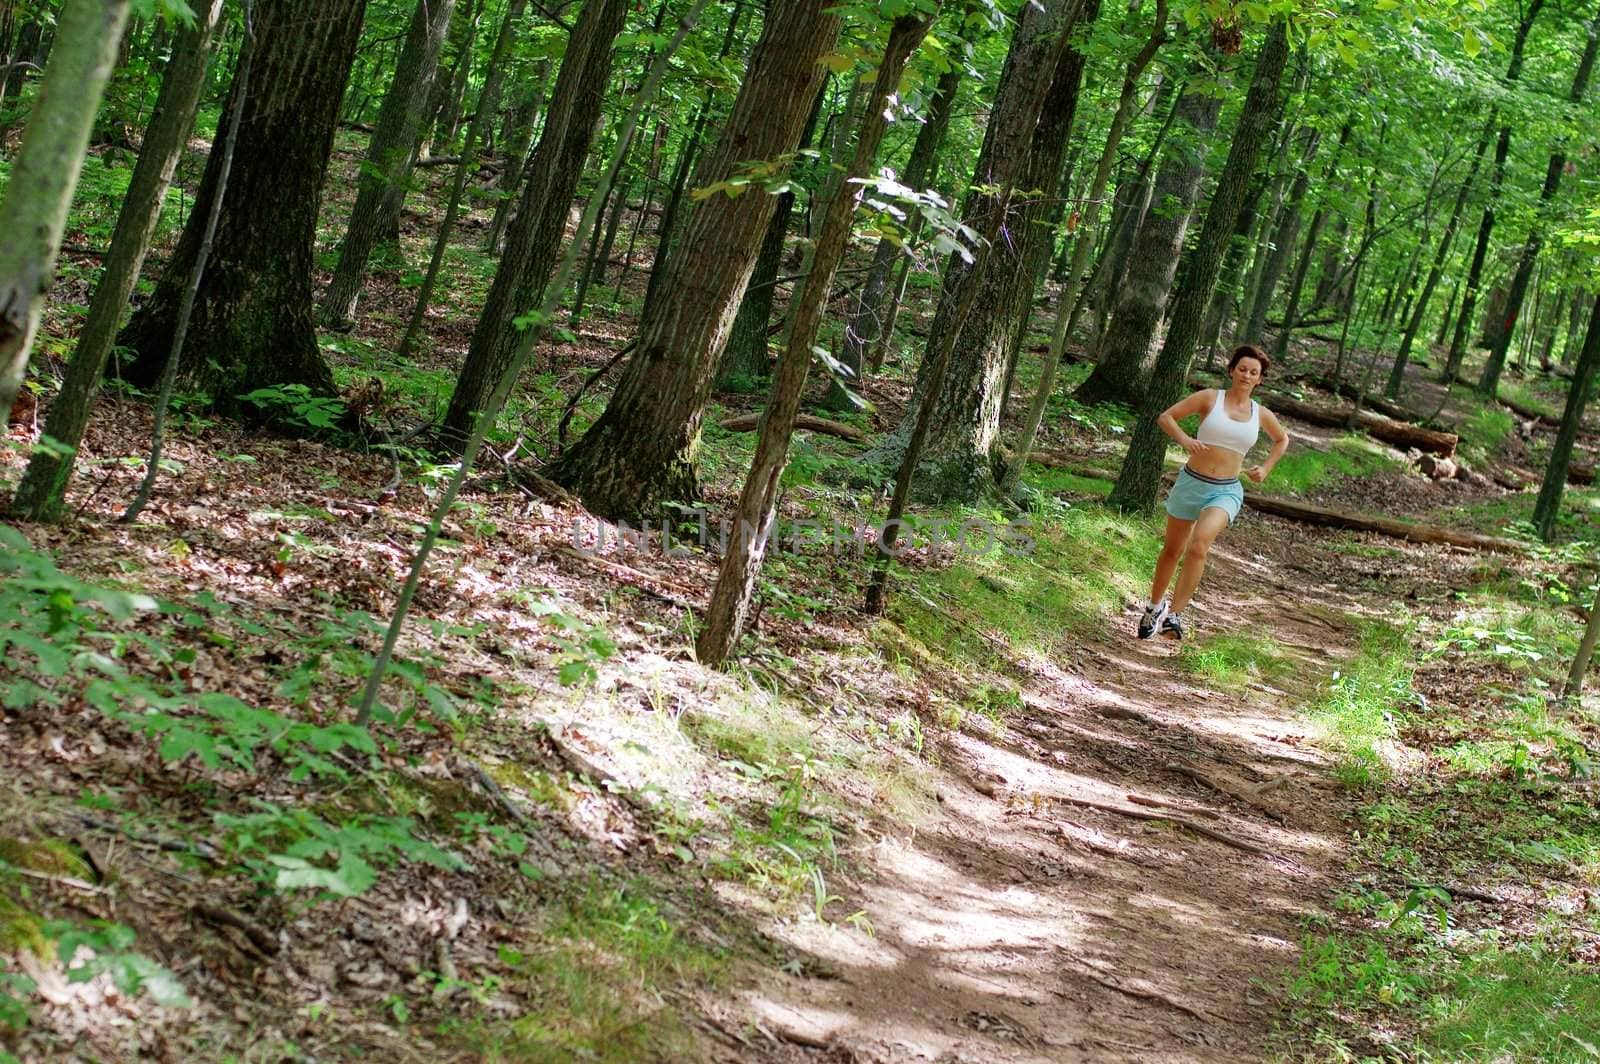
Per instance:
{"type": "Point", "coordinates": [43, 489]}
{"type": "Point", "coordinates": [1125, 358]}
{"type": "Point", "coordinates": [252, 324]}
{"type": "Point", "coordinates": [534, 238]}
{"type": "Point", "coordinates": [1137, 485]}
{"type": "Point", "coordinates": [1068, 305]}
{"type": "Point", "coordinates": [729, 607]}
{"type": "Point", "coordinates": [42, 181]}
{"type": "Point", "coordinates": [389, 154]}
{"type": "Point", "coordinates": [642, 449]}
{"type": "Point", "coordinates": [1023, 147]}
{"type": "Point", "coordinates": [1283, 242]}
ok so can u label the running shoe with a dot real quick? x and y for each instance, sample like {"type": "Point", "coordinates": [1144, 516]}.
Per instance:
{"type": "Point", "coordinates": [1154, 614]}
{"type": "Point", "coordinates": [1171, 625]}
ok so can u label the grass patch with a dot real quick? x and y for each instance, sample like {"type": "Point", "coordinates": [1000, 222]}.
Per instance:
{"type": "Point", "coordinates": [1351, 457]}
{"type": "Point", "coordinates": [1085, 562]}
{"type": "Point", "coordinates": [1482, 433]}
{"type": "Point", "coordinates": [1049, 481]}
{"type": "Point", "coordinates": [1522, 1005]}
{"type": "Point", "coordinates": [1357, 709]}
{"type": "Point", "coordinates": [1234, 660]}
{"type": "Point", "coordinates": [602, 958]}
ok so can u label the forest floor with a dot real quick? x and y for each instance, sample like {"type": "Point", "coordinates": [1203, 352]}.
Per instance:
{"type": "Point", "coordinates": [1342, 820]}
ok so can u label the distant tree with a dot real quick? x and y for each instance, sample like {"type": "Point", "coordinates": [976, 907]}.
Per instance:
{"type": "Point", "coordinates": [252, 325]}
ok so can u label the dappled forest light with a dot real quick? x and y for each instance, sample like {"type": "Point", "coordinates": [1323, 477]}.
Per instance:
{"type": "Point", "coordinates": [707, 530]}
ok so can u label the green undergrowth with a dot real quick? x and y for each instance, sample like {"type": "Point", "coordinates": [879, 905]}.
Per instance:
{"type": "Point", "coordinates": [1350, 457]}
{"type": "Point", "coordinates": [1483, 432]}
{"type": "Point", "coordinates": [1232, 661]}
{"type": "Point", "coordinates": [1086, 561]}
{"type": "Point", "coordinates": [1480, 786]}
{"type": "Point", "coordinates": [601, 963]}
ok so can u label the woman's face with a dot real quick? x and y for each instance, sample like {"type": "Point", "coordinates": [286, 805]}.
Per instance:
{"type": "Point", "coordinates": [1246, 372]}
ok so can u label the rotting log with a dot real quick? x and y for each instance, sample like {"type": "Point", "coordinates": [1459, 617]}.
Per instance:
{"type": "Point", "coordinates": [747, 423]}
{"type": "Point", "coordinates": [1375, 402]}
{"type": "Point", "coordinates": [1319, 515]}
{"type": "Point", "coordinates": [1399, 433]}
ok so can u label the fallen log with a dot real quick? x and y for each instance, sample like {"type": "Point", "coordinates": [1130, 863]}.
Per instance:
{"type": "Point", "coordinates": [747, 423]}
{"type": "Point", "coordinates": [1521, 409]}
{"type": "Point", "coordinates": [1399, 433]}
{"type": "Point", "coordinates": [1438, 468]}
{"type": "Point", "coordinates": [1373, 402]}
{"type": "Point", "coordinates": [1319, 515]}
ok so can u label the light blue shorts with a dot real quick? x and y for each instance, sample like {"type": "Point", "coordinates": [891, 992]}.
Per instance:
{"type": "Point", "coordinates": [1192, 492]}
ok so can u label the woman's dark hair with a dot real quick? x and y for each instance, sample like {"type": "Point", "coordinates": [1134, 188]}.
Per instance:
{"type": "Point", "coordinates": [1250, 351]}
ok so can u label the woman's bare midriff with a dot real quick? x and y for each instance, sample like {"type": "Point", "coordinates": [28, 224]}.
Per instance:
{"type": "Point", "coordinates": [1217, 462]}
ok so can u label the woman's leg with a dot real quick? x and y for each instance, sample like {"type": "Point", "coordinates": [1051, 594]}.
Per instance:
{"type": "Point", "coordinates": [1171, 551]}
{"type": "Point", "coordinates": [1212, 520]}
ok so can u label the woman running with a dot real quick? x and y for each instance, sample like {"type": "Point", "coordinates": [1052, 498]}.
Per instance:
{"type": "Point", "coordinates": [1207, 494]}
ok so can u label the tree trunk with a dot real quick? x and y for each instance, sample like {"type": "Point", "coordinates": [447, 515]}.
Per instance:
{"type": "Point", "coordinates": [1489, 384]}
{"type": "Point", "coordinates": [454, 88]}
{"type": "Point", "coordinates": [667, 227]}
{"type": "Point", "coordinates": [1039, 87]}
{"type": "Point", "coordinates": [863, 329]}
{"type": "Point", "coordinates": [488, 101]}
{"type": "Point", "coordinates": [1414, 326]}
{"type": "Point", "coordinates": [1141, 470]}
{"type": "Point", "coordinates": [1283, 241]}
{"type": "Point", "coordinates": [1548, 505]}
{"type": "Point", "coordinates": [1308, 251]}
{"type": "Point", "coordinates": [252, 325]}
{"type": "Point", "coordinates": [642, 449]}
{"type": "Point", "coordinates": [519, 148]}
{"type": "Point", "coordinates": [41, 495]}
{"type": "Point", "coordinates": [388, 154]}
{"type": "Point", "coordinates": [745, 358]}
{"type": "Point", "coordinates": [736, 581]}
{"type": "Point", "coordinates": [1124, 359]}
{"type": "Point", "coordinates": [536, 235]}
{"type": "Point", "coordinates": [1469, 301]}
{"type": "Point", "coordinates": [1067, 302]}
{"type": "Point", "coordinates": [39, 191]}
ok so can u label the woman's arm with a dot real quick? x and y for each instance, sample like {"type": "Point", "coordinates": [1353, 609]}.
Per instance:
{"type": "Point", "coordinates": [1198, 403]}
{"type": "Point", "coordinates": [1280, 444]}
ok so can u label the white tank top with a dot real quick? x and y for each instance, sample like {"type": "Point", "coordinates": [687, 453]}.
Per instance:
{"type": "Point", "coordinates": [1220, 430]}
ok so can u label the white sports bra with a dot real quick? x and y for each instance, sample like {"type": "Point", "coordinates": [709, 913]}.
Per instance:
{"type": "Point", "coordinates": [1220, 430]}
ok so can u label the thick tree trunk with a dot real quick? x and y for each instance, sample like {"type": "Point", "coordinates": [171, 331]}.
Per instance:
{"type": "Point", "coordinates": [688, 159]}
{"type": "Point", "coordinates": [642, 449]}
{"type": "Point", "coordinates": [1414, 325]}
{"type": "Point", "coordinates": [1068, 304]}
{"type": "Point", "coordinates": [731, 598]}
{"type": "Point", "coordinates": [1031, 120]}
{"type": "Point", "coordinates": [1548, 505]}
{"type": "Point", "coordinates": [535, 237]}
{"type": "Point", "coordinates": [1489, 384]}
{"type": "Point", "coordinates": [43, 490]}
{"type": "Point", "coordinates": [252, 325]}
{"type": "Point", "coordinates": [1141, 470]}
{"type": "Point", "coordinates": [1469, 301]}
{"type": "Point", "coordinates": [45, 174]}
{"type": "Point", "coordinates": [389, 153]}
{"type": "Point", "coordinates": [1124, 360]}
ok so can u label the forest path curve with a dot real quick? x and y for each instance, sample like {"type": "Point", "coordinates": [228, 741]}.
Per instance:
{"type": "Point", "coordinates": [1052, 912]}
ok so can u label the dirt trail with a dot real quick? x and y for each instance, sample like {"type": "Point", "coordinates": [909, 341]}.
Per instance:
{"type": "Point", "coordinates": [1025, 925]}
